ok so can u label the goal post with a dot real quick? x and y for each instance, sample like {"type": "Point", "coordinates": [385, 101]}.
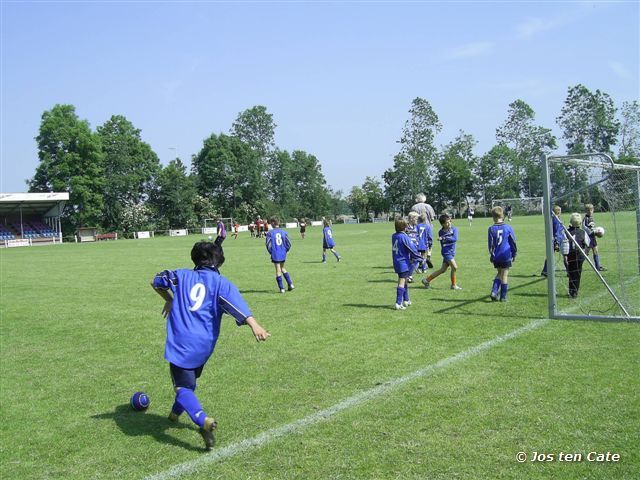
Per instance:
{"type": "Point", "coordinates": [611, 292]}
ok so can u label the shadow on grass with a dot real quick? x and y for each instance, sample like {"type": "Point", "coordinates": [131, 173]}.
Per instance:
{"type": "Point", "coordinates": [388, 280]}
{"type": "Point", "coordinates": [483, 299]}
{"type": "Point", "coordinates": [258, 291]}
{"type": "Point", "coordinates": [367, 305]}
{"type": "Point", "coordinates": [136, 424]}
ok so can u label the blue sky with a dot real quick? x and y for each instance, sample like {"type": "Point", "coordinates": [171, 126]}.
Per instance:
{"type": "Point", "coordinates": [338, 77]}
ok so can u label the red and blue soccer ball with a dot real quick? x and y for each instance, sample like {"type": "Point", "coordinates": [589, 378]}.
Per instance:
{"type": "Point", "coordinates": [140, 401]}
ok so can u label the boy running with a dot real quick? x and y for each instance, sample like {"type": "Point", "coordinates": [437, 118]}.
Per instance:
{"type": "Point", "coordinates": [278, 244]}
{"type": "Point", "coordinates": [448, 236]}
{"type": "Point", "coordinates": [194, 303]}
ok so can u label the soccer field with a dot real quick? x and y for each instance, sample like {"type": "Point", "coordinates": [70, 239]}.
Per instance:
{"type": "Point", "coordinates": [346, 388]}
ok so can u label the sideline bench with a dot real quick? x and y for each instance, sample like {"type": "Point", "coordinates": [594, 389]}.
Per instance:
{"type": "Point", "coordinates": [107, 236]}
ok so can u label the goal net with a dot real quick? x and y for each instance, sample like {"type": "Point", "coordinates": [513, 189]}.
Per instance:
{"type": "Point", "coordinates": [519, 206]}
{"type": "Point", "coordinates": [601, 278]}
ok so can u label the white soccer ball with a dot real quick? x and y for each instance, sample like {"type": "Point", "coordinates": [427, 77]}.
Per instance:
{"type": "Point", "coordinates": [210, 237]}
{"type": "Point", "coordinates": [599, 232]}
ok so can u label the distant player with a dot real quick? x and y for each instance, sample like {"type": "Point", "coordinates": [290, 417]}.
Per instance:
{"type": "Point", "coordinates": [221, 232]}
{"type": "Point", "coordinates": [404, 255]}
{"type": "Point", "coordinates": [589, 224]}
{"type": "Point", "coordinates": [303, 227]}
{"type": "Point", "coordinates": [236, 227]}
{"type": "Point", "coordinates": [559, 238]}
{"type": "Point", "coordinates": [508, 211]}
{"type": "Point", "coordinates": [194, 303]}
{"type": "Point", "coordinates": [575, 257]}
{"type": "Point", "coordinates": [470, 213]}
{"type": "Point", "coordinates": [412, 231]}
{"type": "Point", "coordinates": [252, 229]}
{"type": "Point", "coordinates": [328, 243]}
{"type": "Point", "coordinates": [448, 236]}
{"type": "Point", "coordinates": [425, 241]}
{"type": "Point", "coordinates": [502, 253]}
{"type": "Point", "coordinates": [278, 244]}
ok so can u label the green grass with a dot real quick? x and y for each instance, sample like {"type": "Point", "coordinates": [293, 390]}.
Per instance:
{"type": "Point", "coordinates": [81, 330]}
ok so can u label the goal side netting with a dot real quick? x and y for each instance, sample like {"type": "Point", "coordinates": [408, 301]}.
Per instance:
{"type": "Point", "coordinates": [608, 287]}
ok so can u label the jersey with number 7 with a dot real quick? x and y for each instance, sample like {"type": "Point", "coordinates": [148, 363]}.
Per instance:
{"type": "Point", "coordinates": [200, 297]}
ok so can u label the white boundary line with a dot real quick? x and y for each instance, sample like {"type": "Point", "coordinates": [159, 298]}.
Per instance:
{"type": "Point", "coordinates": [351, 402]}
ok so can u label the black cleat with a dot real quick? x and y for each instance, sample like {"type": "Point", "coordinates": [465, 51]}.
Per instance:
{"type": "Point", "coordinates": [207, 430]}
{"type": "Point", "coordinates": [429, 264]}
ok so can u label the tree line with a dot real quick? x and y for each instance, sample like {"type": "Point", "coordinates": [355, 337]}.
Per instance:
{"type": "Point", "coordinates": [115, 179]}
{"type": "Point", "coordinates": [454, 177]}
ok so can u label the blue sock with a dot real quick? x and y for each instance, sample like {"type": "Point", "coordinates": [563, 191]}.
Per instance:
{"type": "Point", "coordinates": [399, 295]}
{"type": "Point", "coordinates": [324, 257]}
{"type": "Point", "coordinates": [596, 259]}
{"type": "Point", "coordinates": [288, 279]}
{"type": "Point", "coordinates": [496, 287]}
{"type": "Point", "coordinates": [177, 408]}
{"type": "Point", "coordinates": [405, 295]}
{"type": "Point", "coordinates": [279, 280]}
{"type": "Point", "coordinates": [188, 401]}
{"type": "Point", "coordinates": [503, 291]}
{"type": "Point", "coordinates": [335, 253]}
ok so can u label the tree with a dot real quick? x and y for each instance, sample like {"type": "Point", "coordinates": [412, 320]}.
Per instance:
{"type": "Point", "coordinates": [493, 176]}
{"type": "Point", "coordinates": [70, 161]}
{"type": "Point", "coordinates": [630, 133]}
{"type": "Point", "coordinates": [588, 121]}
{"type": "Point", "coordinates": [454, 172]}
{"type": "Point", "coordinates": [376, 201]}
{"type": "Point", "coordinates": [129, 169]}
{"type": "Point", "coordinates": [357, 201]}
{"type": "Point", "coordinates": [173, 197]}
{"type": "Point", "coordinates": [309, 184]}
{"type": "Point", "coordinates": [337, 204]}
{"type": "Point", "coordinates": [283, 183]}
{"type": "Point", "coordinates": [528, 142]}
{"type": "Point", "coordinates": [229, 172]}
{"type": "Point", "coordinates": [414, 166]}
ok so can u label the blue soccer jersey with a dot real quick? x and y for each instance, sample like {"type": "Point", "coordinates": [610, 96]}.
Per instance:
{"type": "Point", "coordinates": [425, 239]}
{"type": "Point", "coordinates": [327, 238]}
{"type": "Point", "coordinates": [448, 239]}
{"type": "Point", "coordinates": [404, 253]}
{"type": "Point", "coordinates": [278, 244]}
{"type": "Point", "coordinates": [412, 231]}
{"type": "Point", "coordinates": [502, 243]}
{"type": "Point", "coordinates": [200, 297]}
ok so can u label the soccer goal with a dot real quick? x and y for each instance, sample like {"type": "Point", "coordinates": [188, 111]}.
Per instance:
{"type": "Point", "coordinates": [611, 292]}
{"type": "Point", "coordinates": [521, 205]}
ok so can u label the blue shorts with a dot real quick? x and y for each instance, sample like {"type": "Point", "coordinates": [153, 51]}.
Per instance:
{"type": "Point", "coordinates": [406, 274]}
{"type": "Point", "coordinates": [447, 260]}
{"type": "Point", "coordinates": [506, 264]}
{"type": "Point", "coordinates": [185, 377]}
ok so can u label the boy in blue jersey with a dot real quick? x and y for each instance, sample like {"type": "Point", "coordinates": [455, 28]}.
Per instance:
{"type": "Point", "coordinates": [278, 244]}
{"type": "Point", "coordinates": [412, 231]}
{"type": "Point", "coordinates": [404, 255]}
{"type": "Point", "coordinates": [502, 253]}
{"type": "Point", "coordinates": [448, 236]}
{"type": "Point", "coordinates": [328, 243]}
{"type": "Point", "coordinates": [425, 241]}
{"type": "Point", "coordinates": [559, 237]}
{"type": "Point", "coordinates": [194, 303]}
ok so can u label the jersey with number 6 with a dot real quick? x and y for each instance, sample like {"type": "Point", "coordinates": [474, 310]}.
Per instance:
{"type": "Point", "coordinates": [278, 244]}
{"type": "Point", "coordinates": [200, 297]}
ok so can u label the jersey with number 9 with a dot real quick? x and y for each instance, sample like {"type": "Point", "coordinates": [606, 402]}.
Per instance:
{"type": "Point", "coordinates": [200, 297]}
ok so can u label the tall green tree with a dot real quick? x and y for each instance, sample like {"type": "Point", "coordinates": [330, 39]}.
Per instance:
{"type": "Point", "coordinates": [415, 164]}
{"type": "Point", "coordinates": [529, 142]}
{"type": "Point", "coordinates": [588, 121]}
{"type": "Point", "coordinates": [229, 172]}
{"type": "Point", "coordinates": [376, 201]}
{"type": "Point", "coordinates": [630, 133]}
{"type": "Point", "coordinates": [454, 178]}
{"type": "Point", "coordinates": [70, 161]}
{"type": "Point", "coordinates": [130, 166]}
{"type": "Point", "coordinates": [173, 197]}
{"type": "Point", "coordinates": [283, 184]}
{"type": "Point", "coordinates": [493, 177]}
{"type": "Point", "coordinates": [358, 202]}
{"type": "Point", "coordinates": [310, 184]}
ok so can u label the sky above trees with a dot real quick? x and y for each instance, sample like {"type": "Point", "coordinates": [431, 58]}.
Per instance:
{"type": "Point", "coordinates": [338, 77]}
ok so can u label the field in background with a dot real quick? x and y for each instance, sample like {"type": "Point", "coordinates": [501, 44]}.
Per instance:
{"type": "Point", "coordinates": [81, 331]}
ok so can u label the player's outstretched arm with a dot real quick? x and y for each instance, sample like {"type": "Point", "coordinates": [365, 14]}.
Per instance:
{"type": "Point", "coordinates": [166, 296]}
{"type": "Point", "coordinates": [260, 333]}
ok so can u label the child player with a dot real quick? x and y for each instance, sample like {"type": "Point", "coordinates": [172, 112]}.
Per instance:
{"type": "Point", "coordinates": [412, 231]}
{"type": "Point", "coordinates": [502, 253]}
{"type": "Point", "coordinates": [588, 224]}
{"type": "Point", "coordinates": [404, 255]}
{"type": "Point", "coordinates": [194, 303]}
{"type": "Point", "coordinates": [328, 243]}
{"type": "Point", "coordinates": [575, 257]}
{"type": "Point", "coordinates": [278, 244]}
{"type": "Point", "coordinates": [448, 236]}
{"type": "Point", "coordinates": [425, 240]}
